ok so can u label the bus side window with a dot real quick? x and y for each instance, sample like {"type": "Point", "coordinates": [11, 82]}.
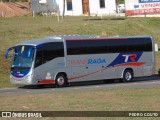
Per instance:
{"type": "Point", "coordinates": [39, 58]}
{"type": "Point", "coordinates": [48, 52]}
{"type": "Point", "coordinates": [53, 50]}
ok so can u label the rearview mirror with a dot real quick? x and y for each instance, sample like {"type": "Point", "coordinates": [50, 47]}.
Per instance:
{"type": "Point", "coordinates": [7, 51]}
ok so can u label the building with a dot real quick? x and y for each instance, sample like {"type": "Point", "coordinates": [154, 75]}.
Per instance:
{"type": "Point", "coordinates": [75, 7]}
{"type": "Point", "coordinates": [85, 7]}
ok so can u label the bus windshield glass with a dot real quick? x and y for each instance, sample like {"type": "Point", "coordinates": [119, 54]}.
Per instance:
{"type": "Point", "coordinates": [23, 57]}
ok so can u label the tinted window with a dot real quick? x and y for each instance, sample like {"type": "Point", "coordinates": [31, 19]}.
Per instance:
{"type": "Point", "coordinates": [108, 46]}
{"type": "Point", "coordinates": [102, 3]}
{"type": "Point", "coordinates": [48, 52]}
{"type": "Point", "coordinates": [139, 44]}
{"type": "Point", "coordinates": [69, 4]}
{"type": "Point", "coordinates": [86, 47]}
{"type": "Point", "coordinates": [96, 47]}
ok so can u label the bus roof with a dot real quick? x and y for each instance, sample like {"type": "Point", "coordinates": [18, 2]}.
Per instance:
{"type": "Point", "coordinates": [36, 42]}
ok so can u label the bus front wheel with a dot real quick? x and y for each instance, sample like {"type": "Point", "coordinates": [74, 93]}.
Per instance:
{"type": "Point", "coordinates": [61, 80]}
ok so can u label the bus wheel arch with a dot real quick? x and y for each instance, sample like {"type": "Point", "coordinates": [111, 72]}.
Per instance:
{"type": "Point", "coordinates": [127, 75]}
{"type": "Point", "coordinates": [61, 79]}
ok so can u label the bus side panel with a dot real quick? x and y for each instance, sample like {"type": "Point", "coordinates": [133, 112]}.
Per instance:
{"type": "Point", "coordinates": [91, 67]}
{"type": "Point", "coordinates": [78, 67]}
{"type": "Point", "coordinates": [110, 66]}
{"type": "Point", "coordinates": [94, 67]}
{"type": "Point", "coordinates": [102, 73]}
{"type": "Point", "coordinates": [145, 68]}
{"type": "Point", "coordinates": [48, 71]}
{"type": "Point", "coordinates": [98, 66]}
{"type": "Point", "coordinates": [149, 66]}
{"type": "Point", "coordinates": [153, 56]}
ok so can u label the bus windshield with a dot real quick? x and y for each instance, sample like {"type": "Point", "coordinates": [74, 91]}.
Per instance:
{"type": "Point", "coordinates": [23, 57]}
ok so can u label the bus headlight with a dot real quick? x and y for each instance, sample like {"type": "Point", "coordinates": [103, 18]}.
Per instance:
{"type": "Point", "coordinates": [29, 77]}
{"type": "Point", "coordinates": [11, 76]}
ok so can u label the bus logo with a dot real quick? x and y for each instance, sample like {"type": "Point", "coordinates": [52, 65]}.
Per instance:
{"type": "Point", "coordinates": [131, 57]}
{"type": "Point", "coordinates": [87, 61]}
{"type": "Point", "coordinates": [96, 61]}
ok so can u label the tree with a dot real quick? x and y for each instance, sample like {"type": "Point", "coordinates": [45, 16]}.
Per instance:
{"type": "Point", "coordinates": [119, 1]}
{"type": "Point", "coordinates": [64, 6]}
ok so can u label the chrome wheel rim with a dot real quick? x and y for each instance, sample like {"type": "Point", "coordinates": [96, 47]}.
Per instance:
{"type": "Point", "coordinates": [128, 76]}
{"type": "Point", "coordinates": [60, 81]}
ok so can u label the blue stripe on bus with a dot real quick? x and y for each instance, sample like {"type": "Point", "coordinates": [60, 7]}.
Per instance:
{"type": "Point", "coordinates": [19, 74]}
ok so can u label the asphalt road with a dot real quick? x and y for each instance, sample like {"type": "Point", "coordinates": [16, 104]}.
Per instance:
{"type": "Point", "coordinates": [144, 82]}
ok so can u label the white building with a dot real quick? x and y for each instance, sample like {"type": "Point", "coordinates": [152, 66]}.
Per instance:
{"type": "Point", "coordinates": [92, 7]}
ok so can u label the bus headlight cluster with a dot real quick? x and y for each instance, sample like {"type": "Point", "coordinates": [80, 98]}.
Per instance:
{"type": "Point", "coordinates": [29, 77]}
{"type": "Point", "coordinates": [11, 76]}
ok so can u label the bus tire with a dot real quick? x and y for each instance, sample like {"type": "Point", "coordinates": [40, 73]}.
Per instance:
{"type": "Point", "coordinates": [61, 80]}
{"type": "Point", "coordinates": [127, 75]}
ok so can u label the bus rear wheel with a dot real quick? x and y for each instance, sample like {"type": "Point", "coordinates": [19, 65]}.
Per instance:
{"type": "Point", "coordinates": [127, 75]}
{"type": "Point", "coordinates": [61, 80]}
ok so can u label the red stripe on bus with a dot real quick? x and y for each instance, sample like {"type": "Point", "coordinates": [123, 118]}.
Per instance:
{"type": "Point", "coordinates": [46, 81]}
{"type": "Point", "coordinates": [123, 64]}
{"type": "Point", "coordinates": [131, 64]}
{"type": "Point", "coordinates": [90, 73]}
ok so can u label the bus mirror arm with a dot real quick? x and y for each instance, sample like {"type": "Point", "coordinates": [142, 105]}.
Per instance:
{"type": "Point", "coordinates": [7, 51]}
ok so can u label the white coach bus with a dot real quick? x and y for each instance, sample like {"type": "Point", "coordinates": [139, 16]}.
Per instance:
{"type": "Point", "coordinates": [63, 59]}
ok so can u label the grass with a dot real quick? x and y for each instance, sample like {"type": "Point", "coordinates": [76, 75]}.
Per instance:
{"type": "Point", "coordinates": [146, 99]}
{"type": "Point", "coordinates": [17, 29]}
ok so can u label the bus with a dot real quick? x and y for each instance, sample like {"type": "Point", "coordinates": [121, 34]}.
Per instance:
{"type": "Point", "coordinates": [61, 60]}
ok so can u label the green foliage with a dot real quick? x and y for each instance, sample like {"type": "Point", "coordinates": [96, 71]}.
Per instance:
{"type": "Point", "coordinates": [103, 99]}
{"type": "Point", "coordinates": [120, 1]}
{"type": "Point", "coordinates": [17, 29]}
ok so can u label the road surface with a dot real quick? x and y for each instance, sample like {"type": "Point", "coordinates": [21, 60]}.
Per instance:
{"type": "Point", "coordinates": [145, 82]}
